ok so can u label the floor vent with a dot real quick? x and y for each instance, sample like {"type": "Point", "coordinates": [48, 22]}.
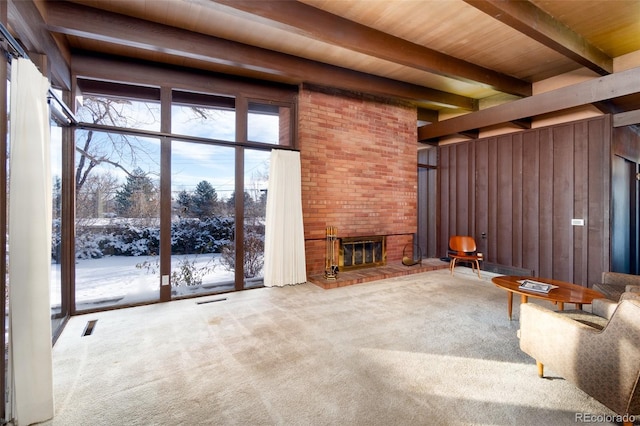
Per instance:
{"type": "Point", "coordinates": [211, 301]}
{"type": "Point", "coordinates": [89, 328]}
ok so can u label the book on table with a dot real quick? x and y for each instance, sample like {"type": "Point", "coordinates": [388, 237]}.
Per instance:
{"type": "Point", "coordinates": [536, 286]}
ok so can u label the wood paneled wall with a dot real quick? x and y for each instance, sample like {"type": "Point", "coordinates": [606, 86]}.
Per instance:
{"type": "Point", "coordinates": [517, 194]}
{"type": "Point", "coordinates": [427, 201]}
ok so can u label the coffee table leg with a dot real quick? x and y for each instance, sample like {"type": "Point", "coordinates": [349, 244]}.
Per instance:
{"type": "Point", "coordinates": [561, 306]}
{"type": "Point", "coordinates": [523, 299]}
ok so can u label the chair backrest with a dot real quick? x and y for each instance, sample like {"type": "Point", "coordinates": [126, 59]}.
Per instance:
{"type": "Point", "coordinates": [462, 244]}
{"type": "Point", "coordinates": [619, 278]}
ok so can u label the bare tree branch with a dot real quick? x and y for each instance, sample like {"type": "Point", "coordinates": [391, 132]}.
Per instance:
{"type": "Point", "coordinates": [95, 161]}
{"type": "Point", "coordinates": [120, 151]}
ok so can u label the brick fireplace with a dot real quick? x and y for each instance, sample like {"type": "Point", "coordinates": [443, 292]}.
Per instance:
{"type": "Point", "coordinates": [359, 170]}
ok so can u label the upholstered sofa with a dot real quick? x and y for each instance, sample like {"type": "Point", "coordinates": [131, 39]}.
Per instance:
{"type": "Point", "coordinates": [615, 283]}
{"type": "Point", "coordinates": [599, 352]}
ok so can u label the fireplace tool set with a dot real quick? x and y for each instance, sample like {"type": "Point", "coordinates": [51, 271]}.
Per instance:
{"type": "Point", "coordinates": [331, 263]}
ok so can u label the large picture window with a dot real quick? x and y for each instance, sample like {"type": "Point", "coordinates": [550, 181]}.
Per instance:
{"type": "Point", "coordinates": [207, 158]}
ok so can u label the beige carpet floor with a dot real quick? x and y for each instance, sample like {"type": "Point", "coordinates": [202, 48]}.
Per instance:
{"type": "Point", "coordinates": [424, 349]}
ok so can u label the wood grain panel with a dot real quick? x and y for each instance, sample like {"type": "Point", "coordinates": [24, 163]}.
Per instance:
{"type": "Point", "coordinates": [463, 223]}
{"type": "Point", "coordinates": [482, 193]}
{"type": "Point", "coordinates": [432, 210]}
{"type": "Point", "coordinates": [580, 201]}
{"type": "Point", "coordinates": [504, 223]}
{"type": "Point", "coordinates": [443, 196]}
{"type": "Point", "coordinates": [423, 207]}
{"type": "Point", "coordinates": [429, 249]}
{"type": "Point", "coordinates": [492, 199]}
{"type": "Point", "coordinates": [453, 186]}
{"type": "Point", "coordinates": [516, 195]}
{"type": "Point", "coordinates": [493, 42]}
{"type": "Point", "coordinates": [427, 202]}
{"type": "Point", "coordinates": [525, 189]}
{"type": "Point", "coordinates": [563, 142]}
{"type": "Point", "coordinates": [531, 201]}
{"type": "Point", "coordinates": [545, 214]}
{"type": "Point", "coordinates": [597, 21]}
{"type": "Point", "coordinates": [599, 166]}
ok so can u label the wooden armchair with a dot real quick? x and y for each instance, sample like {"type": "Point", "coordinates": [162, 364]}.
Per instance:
{"type": "Point", "coordinates": [604, 363]}
{"type": "Point", "coordinates": [463, 248]}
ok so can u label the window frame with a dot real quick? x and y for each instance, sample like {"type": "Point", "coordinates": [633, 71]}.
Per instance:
{"type": "Point", "coordinates": [157, 84]}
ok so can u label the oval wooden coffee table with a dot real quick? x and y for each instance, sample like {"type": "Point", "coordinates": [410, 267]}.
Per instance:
{"type": "Point", "coordinates": [564, 293]}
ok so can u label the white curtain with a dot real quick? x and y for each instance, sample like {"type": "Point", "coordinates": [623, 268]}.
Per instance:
{"type": "Point", "coordinates": [31, 394]}
{"type": "Point", "coordinates": [284, 255]}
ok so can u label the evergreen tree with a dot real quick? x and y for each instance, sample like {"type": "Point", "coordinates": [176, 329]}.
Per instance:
{"type": "Point", "coordinates": [248, 201]}
{"type": "Point", "coordinates": [185, 202]}
{"type": "Point", "coordinates": [138, 197]}
{"type": "Point", "coordinates": [204, 200]}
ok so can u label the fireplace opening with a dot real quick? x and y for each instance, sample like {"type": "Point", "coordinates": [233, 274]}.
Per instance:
{"type": "Point", "coordinates": [362, 252]}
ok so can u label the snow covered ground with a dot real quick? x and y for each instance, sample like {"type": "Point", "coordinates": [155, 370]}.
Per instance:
{"type": "Point", "coordinates": [115, 280]}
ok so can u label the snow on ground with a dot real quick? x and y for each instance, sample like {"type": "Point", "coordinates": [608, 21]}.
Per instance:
{"type": "Point", "coordinates": [115, 280]}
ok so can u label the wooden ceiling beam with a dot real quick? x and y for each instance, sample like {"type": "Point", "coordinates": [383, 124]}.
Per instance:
{"type": "Point", "coordinates": [525, 17]}
{"type": "Point", "coordinates": [523, 123]}
{"type": "Point", "coordinates": [596, 90]}
{"type": "Point", "coordinates": [26, 21]}
{"type": "Point", "coordinates": [428, 115]}
{"type": "Point", "coordinates": [471, 134]}
{"type": "Point", "coordinates": [324, 26]}
{"type": "Point", "coordinates": [626, 118]}
{"type": "Point", "coordinates": [86, 22]}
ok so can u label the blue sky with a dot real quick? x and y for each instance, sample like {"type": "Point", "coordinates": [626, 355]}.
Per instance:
{"type": "Point", "coordinates": [195, 162]}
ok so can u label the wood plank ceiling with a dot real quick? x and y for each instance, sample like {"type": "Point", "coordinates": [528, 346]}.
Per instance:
{"type": "Point", "coordinates": [446, 56]}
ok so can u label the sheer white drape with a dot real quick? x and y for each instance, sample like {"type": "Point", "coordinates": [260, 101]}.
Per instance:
{"type": "Point", "coordinates": [30, 361]}
{"type": "Point", "coordinates": [284, 254]}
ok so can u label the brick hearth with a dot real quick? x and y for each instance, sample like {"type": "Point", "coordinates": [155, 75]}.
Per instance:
{"type": "Point", "coordinates": [390, 270]}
